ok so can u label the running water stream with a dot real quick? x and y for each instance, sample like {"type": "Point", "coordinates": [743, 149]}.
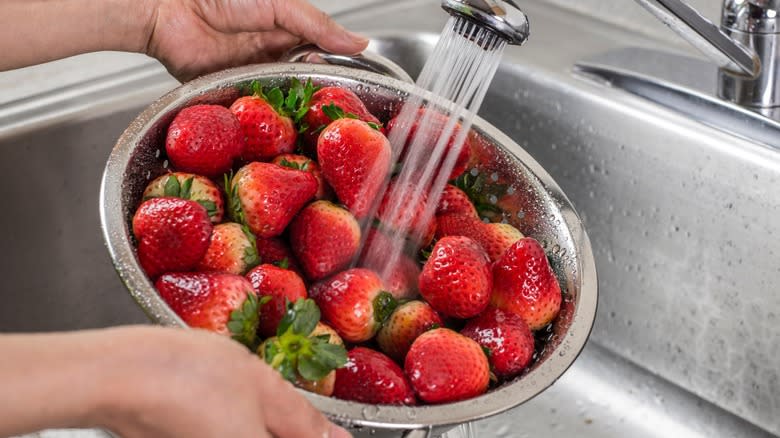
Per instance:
{"type": "Point", "coordinates": [457, 74]}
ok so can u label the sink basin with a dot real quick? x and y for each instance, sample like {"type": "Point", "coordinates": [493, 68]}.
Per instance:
{"type": "Point", "coordinates": [681, 216]}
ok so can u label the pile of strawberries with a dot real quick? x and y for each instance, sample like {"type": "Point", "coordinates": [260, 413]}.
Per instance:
{"type": "Point", "coordinates": [255, 233]}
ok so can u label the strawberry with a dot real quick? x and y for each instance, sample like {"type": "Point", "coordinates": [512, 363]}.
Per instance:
{"type": "Point", "coordinates": [267, 119]}
{"type": "Point", "coordinates": [455, 201]}
{"type": "Point", "coordinates": [404, 209]}
{"type": "Point", "coordinates": [300, 355]}
{"type": "Point", "coordinates": [281, 285]}
{"type": "Point", "coordinates": [355, 161]}
{"type": "Point", "coordinates": [173, 234]}
{"type": "Point", "coordinates": [495, 238]}
{"type": "Point", "coordinates": [486, 191]}
{"type": "Point", "coordinates": [204, 139]}
{"type": "Point", "coordinates": [324, 237]}
{"type": "Point", "coordinates": [506, 337]}
{"type": "Point", "coordinates": [274, 250]}
{"type": "Point", "coordinates": [232, 250]}
{"type": "Point", "coordinates": [371, 377]}
{"type": "Point", "coordinates": [354, 303]}
{"type": "Point", "coordinates": [445, 366]}
{"type": "Point", "coordinates": [306, 164]}
{"type": "Point", "coordinates": [524, 284]}
{"type": "Point", "coordinates": [220, 302]}
{"type": "Point", "coordinates": [402, 277]}
{"type": "Point", "coordinates": [436, 123]}
{"type": "Point", "coordinates": [265, 196]}
{"type": "Point", "coordinates": [324, 100]}
{"type": "Point", "coordinates": [325, 385]}
{"type": "Point", "coordinates": [189, 186]}
{"type": "Point", "coordinates": [456, 279]}
{"type": "Point", "coordinates": [406, 323]}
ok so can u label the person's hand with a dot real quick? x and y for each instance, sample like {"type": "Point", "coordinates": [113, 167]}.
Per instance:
{"type": "Point", "coordinates": [194, 37]}
{"type": "Point", "coordinates": [175, 383]}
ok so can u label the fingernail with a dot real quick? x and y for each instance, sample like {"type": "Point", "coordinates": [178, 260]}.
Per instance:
{"type": "Point", "coordinates": [338, 432]}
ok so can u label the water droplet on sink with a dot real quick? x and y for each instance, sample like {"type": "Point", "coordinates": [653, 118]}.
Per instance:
{"type": "Point", "coordinates": [370, 412]}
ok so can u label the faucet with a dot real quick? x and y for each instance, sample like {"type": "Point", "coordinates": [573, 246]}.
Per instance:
{"type": "Point", "coordinates": [746, 47]}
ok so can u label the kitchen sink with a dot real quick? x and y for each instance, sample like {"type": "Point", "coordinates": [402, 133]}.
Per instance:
{"type": "Point", "coordinates": [681, 216]}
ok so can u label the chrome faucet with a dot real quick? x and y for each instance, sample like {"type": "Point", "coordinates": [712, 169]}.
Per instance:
{"type": "Point", "coordinates": [746, 47]}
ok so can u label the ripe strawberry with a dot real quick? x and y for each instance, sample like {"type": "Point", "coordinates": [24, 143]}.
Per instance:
{"type": "Point", "coordinates": [445, 366]}
{"type": "Point", "coordinates": [265, 196]}
{"type": "Point", "coordinates": [220, 302]}
{"type": "Point", "coordinates": [324, 237]}
{"type": "Point", "coordinates": [506, 336]}
{"type": "Point", "coordinates": [274, 250]}
{"type": "Point", "coordinates": [436, 122]}
{"type": "Point", "coordinates": [456, 279]}
{"type": "Point", "coordinates": [173, 234]}
{"type": "Point", "coordinates": [402, 277]}
{"type": "Point", "coordinates": [281, 285]}
{"type": "Point", "coordinates": [407, 322]}
{"type": "Point", "coordinates": [355, 160]}
{"type": "Point", "coordinates": [267, 120]}
{"type": "Point", "coordinates": [300, 355]}
{"type": "Point", "coordinates": [371, 377]}
{"type": "Point", "coordinates": [317, 117]}
{"type": "Point", "coordinates": [354, 303]}
{"type": "Point", "coordinates": [404, 208]}
{"type": "Point", "coordinates": [325, 385]}
{"type": "Point", "coordinates": [495, 238]}
{"type": "Point", "coordinates": [232, 250]}
{"type": "Point", "coordinates": [204, 139]}
{"type": "Point", "coordinates": [189, 186]}
{"type": "Point", "coordinates": [306, 164]}
{"type": "Point", "coordinates": [524, 284]}
{"type": "Point", "coordinates": [455, 201]}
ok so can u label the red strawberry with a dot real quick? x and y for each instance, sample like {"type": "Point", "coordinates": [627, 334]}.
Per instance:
{"type": "Point", "coordinates": [324, 238]}
{"type": "Point", "coordinates": [355, 160]}
{"type": "Point", "coordinates": [455, 201]}
{"type": "Point", "coordinates": [189, 186]}
{"type": "Point", "coordinates": [265, 196]}
{"type": "Point", "coordinates": [232, 250]}
{"type": "Point", "coordinates": [371, 377]}
{"type": "Point", "coordinates": [281, 285]}
{"type": "Point", "coordinates": [267, 120]}
{"type": "Point", "coordinates": [495, 238]}
{"type": "Point", "coordinates": [274, 250]}
{"type": "Point", "coordinates": [306, 164]}
{"type": "Point", "coordinates": [402, 277]}
{"type": "Point", "coordinates": [445, 366]}
{"type": "Point", "coordinates": [404, 208]}
{"type": "Point", "coordinates": [204, 139]}
{"type": "Point", "coordinates": [216, 301]}
{"type": "Point", "coordinates": [506, 336]}
{"type": "Point", "coordinates": [524, 284]}
{"type": "Point", "coordinates": [407, 322]}
{"type": "Point", "coordinates": [354, 303]}
{"type": "Point", "coordinates": [316, 119]}
{"type": "Point", "coordinates": [173, 234]}
{"type": "Point", "coordinates": [436, 123]}
{"type": "Point", "coordinates": [456, 279]}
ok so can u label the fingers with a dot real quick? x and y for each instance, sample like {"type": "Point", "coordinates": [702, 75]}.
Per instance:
{"type": "Point", "coordinates": [289, 415]}
{"type": "Point", "coordinates": [300, 18]}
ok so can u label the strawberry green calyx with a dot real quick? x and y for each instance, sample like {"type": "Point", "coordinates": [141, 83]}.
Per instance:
{"type": "Point", "coordinates": [251, 257]}
{"type": "Point", "coordinates": [295, 353]}
{"type": "Point", "coordinates": [384, 305]}
{"type": "Point", "coordinates": [233, 201]}
{"type": "Point", "coordinates": [174, 189]}
{"type": "Point", "coordinates": [334, 112]}
{"type": "Point", "coordinates": [243, 321]}
{"type": "Point", "coordinates": [283, 263]}
{"type": "Point", "coordinates": [294, 105]}
{"type": "Point", "coordinates": [297, 166]}
{"type": "Point", "coordinates": [481, 192]}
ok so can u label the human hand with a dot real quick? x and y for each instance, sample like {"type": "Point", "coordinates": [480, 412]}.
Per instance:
{"type": "Point", "coordinates": [194, 37]}
{"type": "Point", "coordinates": [171, 383]}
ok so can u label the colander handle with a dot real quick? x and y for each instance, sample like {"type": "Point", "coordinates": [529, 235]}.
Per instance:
{"type": "Point", "coordinates": [364, 61]}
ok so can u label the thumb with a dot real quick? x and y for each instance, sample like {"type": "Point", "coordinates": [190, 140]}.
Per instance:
{"type": "Point", "coordinates": [300, 18]}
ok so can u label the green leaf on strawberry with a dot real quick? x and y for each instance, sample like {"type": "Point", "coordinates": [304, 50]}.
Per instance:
{"type": "Point", "coordinates": [482, 193]}
{"type": "Point", "coordinates": [251, 257]}
{"type": "Point", "coordinates": [384, 304]}
{"type": "Point", "coordinates": [296, 166]}
{"type": "Point", "coordinates": [210, 206]}
{"type": "Point", "coordinates": [295, 353]}
{"type": "Point", "coordinates": [233, 201]}
{"type": "Point", "coordinates": [283, 263]}
{"type": "Point", "coordinates": [186, 189]}
{"type": "Point", "coordinates": [172, 187]}
{"type": "Point", "coordinates": [243, 321]}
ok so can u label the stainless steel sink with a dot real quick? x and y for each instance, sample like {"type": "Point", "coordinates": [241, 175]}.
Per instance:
{"type": "Point", "coordinates": [682, 217]}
